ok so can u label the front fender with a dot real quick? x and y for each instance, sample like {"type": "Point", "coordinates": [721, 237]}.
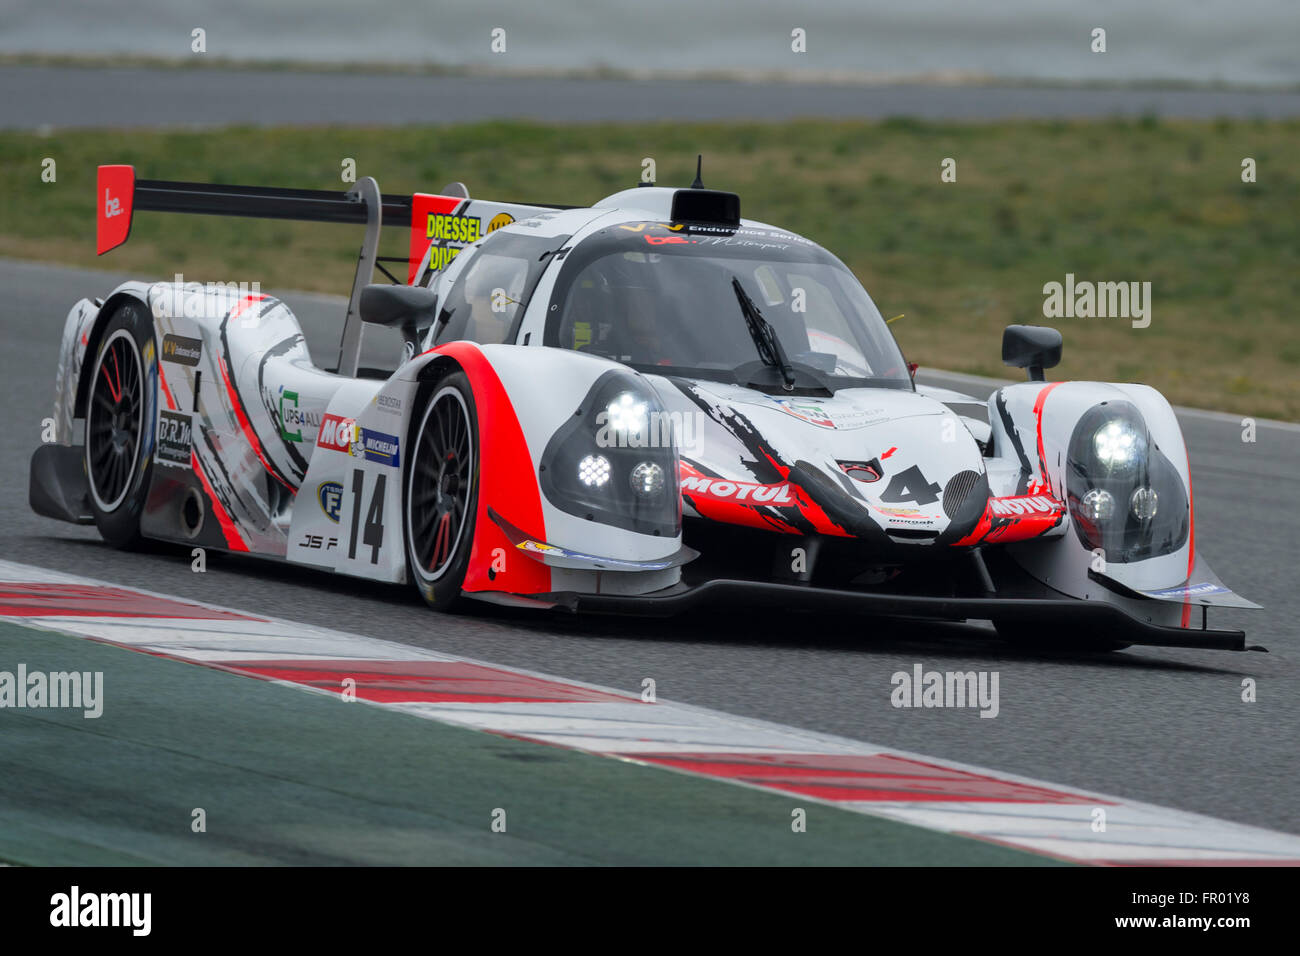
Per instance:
{"type": "Point", "coordinates": [77, 328]}
{"type": "Point", "coordinates": [524, 396]}
{"type": "Point", "coordinates": [1034, 425]}
{"type": "Point", "coordinates": [81, 331]}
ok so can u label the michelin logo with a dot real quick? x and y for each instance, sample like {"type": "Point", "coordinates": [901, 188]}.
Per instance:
{"type": "Point", "coordinates": [378, 447]}
{"type": "Point", "coordinates": [1191, 590]}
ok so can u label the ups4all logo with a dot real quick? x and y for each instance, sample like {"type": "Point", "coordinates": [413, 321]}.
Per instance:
{"type": "Point", "coordinates": [292, 417]}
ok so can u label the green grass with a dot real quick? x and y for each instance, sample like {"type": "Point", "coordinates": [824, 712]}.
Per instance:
{"type": "Point", "coordinates": [1115, 200]}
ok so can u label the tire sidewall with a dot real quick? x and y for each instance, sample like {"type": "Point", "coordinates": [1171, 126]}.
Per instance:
{"type": "Point", "coordinates": [121, 526]}
{"type": "Point", "coordinates": [444, 592]}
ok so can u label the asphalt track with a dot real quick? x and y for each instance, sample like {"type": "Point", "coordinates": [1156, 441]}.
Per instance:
{"type": "Point", "coordinates": [1165, 726]}
{"type": "Point", "coordinates": [140, 97]}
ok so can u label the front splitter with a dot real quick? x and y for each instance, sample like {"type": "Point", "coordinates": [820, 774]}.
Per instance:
{"type": "Point", "coordinates": [1108, 619]}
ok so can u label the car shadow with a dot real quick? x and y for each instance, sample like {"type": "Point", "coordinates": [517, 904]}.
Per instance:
{"type": "Point", "coordinates": [718, 627]}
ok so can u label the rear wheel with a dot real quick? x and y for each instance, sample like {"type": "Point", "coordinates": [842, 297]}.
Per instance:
{"type": "Point", "coordinates": [120, 410]}
{"type": "Point", "coordinates": [441, 493]}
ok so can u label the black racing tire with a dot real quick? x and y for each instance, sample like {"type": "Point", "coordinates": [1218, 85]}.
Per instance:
{"type": "Point", "coordinates": [1065, 637]}
{"type": "Point", "coordinates": [121, 411]}
{"type": "Point", "coordinates": [440, 496]}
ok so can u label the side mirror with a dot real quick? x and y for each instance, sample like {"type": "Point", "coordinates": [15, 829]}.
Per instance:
{"type": "Point", "coordinates": [1032, 347]}
{"type": "Point", "coordinates": [398, 306]}
{"type": "Point", "coordinates": [407, 308]}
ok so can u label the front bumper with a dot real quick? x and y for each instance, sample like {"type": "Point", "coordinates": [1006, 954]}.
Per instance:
{"type": "Point", "coordinates": [1109, 621]}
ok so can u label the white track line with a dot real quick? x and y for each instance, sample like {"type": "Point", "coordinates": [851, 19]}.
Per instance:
{"type": "Point", "coordinates": [1052, 820]}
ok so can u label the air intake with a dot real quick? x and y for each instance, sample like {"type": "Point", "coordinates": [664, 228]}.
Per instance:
{"type": "Point", "coordinates": [706, 206]}
{"type": "Point", "coordinates": [959, 488]}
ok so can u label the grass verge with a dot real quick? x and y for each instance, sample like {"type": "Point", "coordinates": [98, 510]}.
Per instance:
{"type": "Point", "coordinates": [1143, 200]}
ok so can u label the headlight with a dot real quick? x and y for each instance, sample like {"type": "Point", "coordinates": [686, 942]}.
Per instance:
{"type": "Point", "coordinates": [627, 417]}
{"type": "Point", "coordinates": [1097, 505]}
{"type": "Point", "coordinates": [1143, 503]}
{"type": "Point", "coordinates": [593, 471]}
{"type": "Point", "coordinates": [647, 479]}
{"type": "Point", "coordinates": [1118, 445]}
{"type": "Point", "coordinates": [1124, 495]}
{"type": "Point", "coordinates": [611, 462]}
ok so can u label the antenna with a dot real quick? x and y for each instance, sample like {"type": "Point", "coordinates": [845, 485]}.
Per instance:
{"type": "Point", "coordinates": [699, 163]}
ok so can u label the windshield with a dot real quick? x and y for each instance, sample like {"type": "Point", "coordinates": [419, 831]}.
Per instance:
{"type": "Point", "coordinates": [662, 298]}
{"type": "Point", "coordinates": [486, 302]}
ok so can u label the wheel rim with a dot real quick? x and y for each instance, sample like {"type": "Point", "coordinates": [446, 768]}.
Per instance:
{"type": "Point", "coordinates": [114, 421]}
{"type": "Point", "coordinates": [440, 478]}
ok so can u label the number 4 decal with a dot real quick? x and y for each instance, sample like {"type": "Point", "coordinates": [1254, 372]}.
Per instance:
{"type": "Point", "coordinates": [373, 533]}
{"type": "Point", "coordinates": [911, 485]}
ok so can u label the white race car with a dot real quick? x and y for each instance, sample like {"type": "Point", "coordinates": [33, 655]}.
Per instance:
{"type": "Point", "coordinates": [635, 407]}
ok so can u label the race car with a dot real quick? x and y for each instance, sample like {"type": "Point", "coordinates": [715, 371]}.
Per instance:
{"type": "Point", "coordinates": [643, 406]}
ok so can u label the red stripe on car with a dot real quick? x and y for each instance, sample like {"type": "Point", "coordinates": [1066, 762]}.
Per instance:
{"type": "Point", "coordinates": [234, 540]}
{"type": "Point", "coordinates": [507, 482]}
{"type": "Point", "coordinates": [246, 425]}
{"type": "Point", "coordinates": [162, 380]}
{"type": "Point", "coordinates": [1044, 485]}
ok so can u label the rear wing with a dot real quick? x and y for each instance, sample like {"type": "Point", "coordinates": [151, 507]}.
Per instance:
{"type": "Point", "coordinates": [439, 226]}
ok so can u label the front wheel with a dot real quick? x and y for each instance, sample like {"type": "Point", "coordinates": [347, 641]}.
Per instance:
{"type": "Point", "coordinates": [120, 408]}
{"type": "Point", "coordinates": [441, 495]}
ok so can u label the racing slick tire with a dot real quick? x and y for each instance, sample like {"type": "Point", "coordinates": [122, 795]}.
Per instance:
{"type": "Point", "coordinates": [441, 494]}
{"type": "Point", "coordinates": [1034, 636]}
{"type": "Point", "coordinates": [121, 408]}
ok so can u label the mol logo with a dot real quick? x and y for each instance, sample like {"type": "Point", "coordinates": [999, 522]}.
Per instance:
{"type": "Point", "coordinates": [1027, 505]}
{"type": "Point", "coordinates": [337, 433]}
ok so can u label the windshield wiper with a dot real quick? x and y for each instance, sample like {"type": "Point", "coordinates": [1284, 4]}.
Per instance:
{"type": "Point", "coordinates": [765, 338]}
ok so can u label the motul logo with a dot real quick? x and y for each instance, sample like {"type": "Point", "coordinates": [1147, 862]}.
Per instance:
{"type": "Point", "coordinates": [1033, 504]}
{"type": "Point", "coordinates": [738, 490]}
